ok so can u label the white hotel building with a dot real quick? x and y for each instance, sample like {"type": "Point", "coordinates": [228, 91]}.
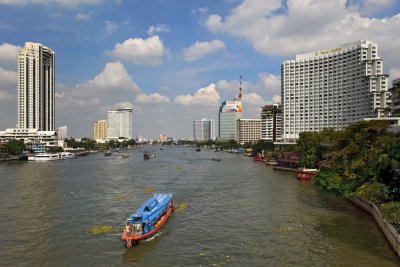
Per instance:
{"type": "Point", "coordinates": [333, 88]}
{"type": "Point", "coordinates": [204, 129]}
{"type": "Point", "coordinates": [119, 123]}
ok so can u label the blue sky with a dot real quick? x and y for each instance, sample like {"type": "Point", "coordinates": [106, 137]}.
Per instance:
{"type": "Point", "coordinates": [175, 61]}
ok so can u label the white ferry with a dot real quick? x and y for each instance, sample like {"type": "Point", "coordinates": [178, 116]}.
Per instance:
{"type": "Point", "coordinates": [44, 157]}
{"type": "Point", "coordinates": [66, 155]}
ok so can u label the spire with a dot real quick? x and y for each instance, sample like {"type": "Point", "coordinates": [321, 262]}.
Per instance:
{"type": "Point", "coordinates": [239, 96]}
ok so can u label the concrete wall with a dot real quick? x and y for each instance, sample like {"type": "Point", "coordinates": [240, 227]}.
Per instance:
{"type": "Point", "coordinates": [387, 229]}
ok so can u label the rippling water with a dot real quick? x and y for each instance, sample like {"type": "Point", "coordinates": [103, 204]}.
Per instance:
{"type": "Point", "coordinates": [234, 212]}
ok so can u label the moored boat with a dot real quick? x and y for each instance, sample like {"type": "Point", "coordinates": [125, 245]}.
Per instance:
{"type": "Point", "coordinates": [148, 219]}
{"type": "Point", "coordinates": [108, 153]}
{"type": "Point", "coordinates": [67, 155]}
{"type": "Point", "coordinates": [146, 156]}
{"type": "Point", "coordinates": [306, 174]}
{"type": "Point", "coordinates": [44, 157]}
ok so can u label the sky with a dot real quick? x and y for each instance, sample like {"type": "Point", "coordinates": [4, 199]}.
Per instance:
{"type": "Point", "coordinates": [176, 61]}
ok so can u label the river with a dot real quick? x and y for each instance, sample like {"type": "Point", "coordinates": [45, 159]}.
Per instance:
{"type": "Point", "coordinates": [233, 212]}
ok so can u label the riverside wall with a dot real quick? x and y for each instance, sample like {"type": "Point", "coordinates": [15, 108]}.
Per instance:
{"type": "Point", "coordinates": [387, 229]}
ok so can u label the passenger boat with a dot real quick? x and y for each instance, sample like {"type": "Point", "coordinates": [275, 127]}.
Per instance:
{"type": "Point", "coordinates": [44, 157]}
{"type": "Point", "coordinates": [306, 174]}
{"type": "Point", "coordinates": [146, 156]}
{"type": "Point", "coordinates": [67, 155]}
{"type": "Point", "coordinates": [148, 219]}
{"type": "Point", "coordinates": [108, 153]}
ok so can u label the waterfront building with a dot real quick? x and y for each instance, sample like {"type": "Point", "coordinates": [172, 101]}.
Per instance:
{"type": "Point", "coordinates": [203, 129]}
{"type": "Point", "coordinates": [271, 123]}
{"type": "Point", "coordinates": [333, 88]}
{"type": "Point", "coordinates": [30, 136]}
{"type": "Point", "coordinates": [248, 130]}
{"type": "Point", "coordinates": [119, 123]}
{"type": "Point", "coordinates": [395, 91]}
{"type": "Point", "coordinates": [36, 87]}
{"type": "Point", "coordinates": [229, 113]}
{"type": "Point", "coordinates": [100, 130]}
{"type": "Point", "coordinates": [62, 132]}
{"type": "Point", "coordinates": [163, 138]}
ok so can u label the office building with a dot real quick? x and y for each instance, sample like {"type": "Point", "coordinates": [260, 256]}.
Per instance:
{"type": "Point", "coordinates": [333, 88]}
{"type": "Point", "coordinates": [395, 91]}
{"type": "Point", "coordinates": [119, 123]}
{"type": "Point", "coordinates": [203, 130]}
{"type": "Point", "coordinates": [36, 87]}
{"type": "Point", "coordinates": [229, 113]}
{"type": "Point", "coordinates": [62, 132]}
{"type": "Point", "coordinates": [271, 123]}
{"type": "Point", "coordinates": [100, 130]}
{"type": "Point", "coordinates": [248, 130]}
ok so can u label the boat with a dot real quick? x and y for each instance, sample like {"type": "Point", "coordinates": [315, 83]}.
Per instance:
{"type": "Point", "coordinates": [146, 156]}
{"type": "Point", "coordinates": [257, 157]}
{"type": "Point", "coordinates": [148, 219]}
{"type": "Point", "coordinates": [67, 155]}
{"type": "Point", "coordinates": [216, 159]}
{"type": "Point", "coordinates": [108, 153]}
{"type": "Point", "coordinates": [306, 174]}
{"type": "Point", "coordinates": [198, 149]}
{"type": "Point", "coordinates": [44, 157]}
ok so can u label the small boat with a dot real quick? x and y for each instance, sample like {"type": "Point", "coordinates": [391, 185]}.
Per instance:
{"type": "Point", "coordinates": [107, 153]}
{"type": "Point", "coordinates": [257, 157]}
{"type": "Point", "coordinates": [67, 155]}
{"type": "Point", "coordinates": [44, 157]}
{"type": "Point", "coordinates": [146, 156]}
{"type": "Point", "coordinates": [198, 149]}
{"type": "Point", "coordinates": [306, 174]}
{"type": "Point", "coordinates": [125, 156]}
{"type": "Point", "coordinates": [216, 159]}
{"type": "Point", "coordinates": [148, 219]}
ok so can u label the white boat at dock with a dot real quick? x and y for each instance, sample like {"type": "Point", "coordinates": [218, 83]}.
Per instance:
{"type": "Point", "coordinates": [44, 157]}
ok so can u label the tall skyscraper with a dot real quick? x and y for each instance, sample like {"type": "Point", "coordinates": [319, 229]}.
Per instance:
{"type": "Point", "coordinates": [271, 123]}
{"type": "Point", "coordinates": [119, 123]}
{"type": "Point", "coordinates": [229, 113]}
{"type": "Point", "coordinates": [204, 129]}
{"type": "Point", "coordinates": [100, 129]}
{"type": "Point", "coordinates": [333, 88]}
{"type": "Point", "coordinates": [36, 87]}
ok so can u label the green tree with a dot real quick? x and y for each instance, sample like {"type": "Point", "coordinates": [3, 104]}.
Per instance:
{"type": "Point", "coordinates": [15, 147]}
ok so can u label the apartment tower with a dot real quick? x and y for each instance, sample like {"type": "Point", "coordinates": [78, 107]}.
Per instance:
{"type": "Point", "coordinates": [36, 87]}
{"type": "Point", "coordinates": [119, 123]}
{"type": "Point", "coordinates": [333, 88]}
{"type": "Point", "coordinates": [100, 129]}
{"type": "Point", "coordinates": [204, 129]}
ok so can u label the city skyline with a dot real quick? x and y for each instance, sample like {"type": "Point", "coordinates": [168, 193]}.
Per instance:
{"type": "Point", "coordinates": [175, 62]}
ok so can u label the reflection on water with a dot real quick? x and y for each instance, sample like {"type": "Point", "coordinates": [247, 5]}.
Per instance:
{"type": "Point", "coordinates": [228, 212]}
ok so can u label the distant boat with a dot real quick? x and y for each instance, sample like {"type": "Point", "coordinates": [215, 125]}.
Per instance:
{"type": "Point", "coordinates": [82, 153]}
{"type": "Point", "coordinates": [44, 157]}
{"type": "Point", "coordinates": [107, 153]}
{"type": "Point", "coordinates": [148, 219]}
{"type": "Point", "coordinates": [306, 174]}
{"type": "Point", "coordinates": [146, 155]}
{"type": "Point", "coordinates": [66, 155]}
{"type": "Point", "coordinates": [216, 159]}
{"type": "Point", "coordinates": [198, 149]}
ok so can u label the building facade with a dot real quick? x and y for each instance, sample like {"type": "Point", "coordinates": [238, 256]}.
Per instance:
{"type": "Point", "coordinates": [119, 123]}
{"type": "Point", "coordinates": [62, 132]}
{"type": "Point", "coordinates": [395, 91]}
{"type": "Point", "coordinates": [100, 129]}
{"type": "Point", "coordinates": [30, 136]}
{"type": "Point", "coordinates": [203, 129]}
{"type": "Point", "coordinates": [271, 123]}
{"type": "Point", "coordinates": [333, 88]}
{"type": "Point", "coordinates": [248, 130]}
{"type": "Point", "coordinates": [229, 113]}
{"type": "Point", "coordinates": [36, 87]}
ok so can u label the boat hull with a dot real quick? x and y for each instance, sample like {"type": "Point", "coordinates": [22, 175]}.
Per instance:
{"type": "Point", "coordinates": [303, 174]}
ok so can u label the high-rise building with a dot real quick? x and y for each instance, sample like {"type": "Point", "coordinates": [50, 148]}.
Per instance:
{"type": "Point", "coordinates": [395, 91]}
{"type": "Point", "coordinates": [204, 129]}
{"type": "Point", "coordinates": [271, 123]}
{"type": "Point", "coordinates": [229, 113]}
{"type": "Point", "coordinates": [62, 132]}
{"type": "Point", "coordinates": [36, 87]}
{"type": "Point", "coordinates": [248, 130]}
{"type": "Point", "coordinates": [100, 129]}
{"type": "Point", "coordinates": [333, 88]}
{"type": "Point", "coordinates": [119, 123]}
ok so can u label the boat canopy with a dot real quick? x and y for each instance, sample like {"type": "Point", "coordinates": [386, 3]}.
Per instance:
{"type": "Point", "coordinates": [151, 209]}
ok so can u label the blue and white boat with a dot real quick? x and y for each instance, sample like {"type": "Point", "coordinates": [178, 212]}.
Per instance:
{"type": "Point", "coordinates": [148, 219]}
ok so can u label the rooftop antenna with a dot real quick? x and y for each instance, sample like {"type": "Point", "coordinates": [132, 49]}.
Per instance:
{"type": "Point", "coordinates": [239, 97]}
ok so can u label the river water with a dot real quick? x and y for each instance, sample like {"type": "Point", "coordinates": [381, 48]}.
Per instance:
{"type": "Point", "coordinates": [233, 212]}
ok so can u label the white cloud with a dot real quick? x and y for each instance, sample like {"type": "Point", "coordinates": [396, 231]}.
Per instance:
{"type": "Point", "coordinates": [82, 16]}
{"type": "Point", "coordinates": [276, 99]}
{"type": "Point", "coordinates": [159, 28]}
{"type": "Point", "coordinates": [393, 75]}
{"type": "Point", "coordinates": [5, 96]}
{"type": "Point", "coordinates": [125, 104]}
{"type": "Point", "coordinates": [307, 25]}
{"type": "Point", "coordinates": [114, 78]}
{"type": "Point", "coordinates": [8, 79]}
{"type": "Point", "coordinates": [9, 53]}
{"type": "Point", "coordinates": [253, 99]}
{"type": "Point", "coordinates": [201, 11]}
{"type": "Point", "coordinates": [152, 98]}
{"type": "Point", "coordinates": [141, 51]}
{"type": "Point", "coordinates": [207, 96]}
{"type": "Point", "coordinates": [201, 49]}
{"type": "Point", "coordinates": [110, 27]}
